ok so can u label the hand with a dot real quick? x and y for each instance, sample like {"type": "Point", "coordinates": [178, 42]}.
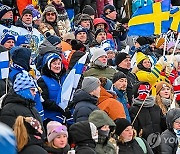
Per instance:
{"type": "Point", "coordinates": [162, 61]}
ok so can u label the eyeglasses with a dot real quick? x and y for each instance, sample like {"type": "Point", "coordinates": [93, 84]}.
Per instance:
{"type": "Point", "coordinates": [50, 14]}
{"type": "Point", "coordinates": [177, 122]}
{"type": "Point", "coordinates": [59, 129]}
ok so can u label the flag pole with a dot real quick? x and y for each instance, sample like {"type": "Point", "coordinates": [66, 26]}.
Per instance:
{"type": "Point", "coordinates": [177, 41]}
{"type": "Point", "coordinates": [6, 85]}
{"type": "Point", "coordinates": [165, 43]}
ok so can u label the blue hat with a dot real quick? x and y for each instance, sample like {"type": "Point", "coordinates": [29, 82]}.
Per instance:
{"type": "Point", "coordinates": [80, 29]}
{"type": "Point", "coordinates": [108, 9]}
{"type": "Point", "coordinates": [35, 13]}
{"type": "Point", "coordinates": [47, 59]}
{"type": "Point", "coordinates": [21, 39]}
{"type": "Point", "coordinates": [53, 39]}
{"type": "Point", "coordinates": [6, 38]}
{"type": "Point", "coordinates": [108, 45]}
{"type": "Point", "coordinates": [4, 9]}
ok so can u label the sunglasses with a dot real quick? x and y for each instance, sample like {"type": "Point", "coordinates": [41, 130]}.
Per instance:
{"type": "Point", "coordinates": [58, 130]}
{"type": "Point", "coordinates": [50, 14]}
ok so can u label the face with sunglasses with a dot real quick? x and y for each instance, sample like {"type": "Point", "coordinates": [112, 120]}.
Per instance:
{"type": "Point", "coordinates": [51, 16]}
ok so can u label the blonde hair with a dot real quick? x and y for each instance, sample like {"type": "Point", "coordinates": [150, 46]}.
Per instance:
{"type": "Point", "coordinates": [20, 131]}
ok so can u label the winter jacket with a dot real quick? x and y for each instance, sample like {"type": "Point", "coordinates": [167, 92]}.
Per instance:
{"type": "Point", "coordinates": [131, 80]}
{"type": "Point", "coordinates": [150, 119]}
{"type": "Point", "coordinates": [121, 97]}
{"type": "Point", "coordinates": [133, 147]}
{"type": "Point", "coordinates": [81, 135]}
{"type": "Point", "coordinates": [108, 103]}
{"type": "Point", "coordinates": [52, 150]}
{"type": "Point", "coordinates": [85, 104]}
{"type": "Point", "coordinates": [98, 71]}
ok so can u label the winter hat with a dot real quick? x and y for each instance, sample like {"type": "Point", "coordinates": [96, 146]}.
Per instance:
{"type": "Point", "coordinates": [21, 39]}
{"type": "Point", "coordinates": [47, 59]}
{"type": "Point", "coordinates": [121, 125]}
{"type": "Point", "coordinates": [108, 9]}
{"type": "Point", "coordinates": [108, 45]}
{"type": "Point", "coordinates": [170, 45]}
{"type": "Point", "coordinates": [98, 53]}
{"type": "Point", "coordinates": [54, 129]}
{"type": "Point", "coordinates": [99, 31]}
{"type": "Point", "coordinates": [159, 42]}
{"type": "Point", "coordinates": [118, 76]}
{"type": "Point", "coordinates": [4, 9]}
{"type": "Point", "coordinates": [161, 85]}
{"type": "Point", "coordinates": [140, 57]}
{"type": "Point", "coordinates": [35, 13]}
{"type": "Point", "coordinates": [88, 10]}
{"type": "Point", "coordinates": [68, 36]}
{"type": "Point", "coordinates": [141, 89]}
{"type": "Point", "coordinates": [124, 20]}
{"type": "Point", "coordinates": [6, 38]}
{"type": "Point", "coordinates": [8, 140]}
{"type": "Point", "coordinates": [142, 40]}
{"type": "Point", "coordinates": [120, 57]}
{"type": "Point", "coordinates": [106, 83]}
{"type": "Point", "coordinates": [90, 83]}
{"type": "Point", "coordinates": [49, 8]}
{"type": "Point", "coordinates": [26, 11]}
{"type": "Point", "coordinates": [53, 39]}
{"type": "Point", "coordinates": [80, 29]}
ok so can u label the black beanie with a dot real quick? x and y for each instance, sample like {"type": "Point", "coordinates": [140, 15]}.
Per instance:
{"type": "Point", "coordinates": [121, 125]}
{"type": "Point", "coordinates": [53, 39]}
{"type": "Point", "coordinates": [99, 30]}
{"type": "Point", "coordinates": [142, 40]}
{"type": "Point", "coordinates": [120, 57]}
{"type": "Point", "coordinates": [26, 11]}
{"type": "Point", "coordinates": [124, 20]}
{"type": "Point", "coordinates": [118, 76]}
{"type": "Point", "coordinates": [88, 10]}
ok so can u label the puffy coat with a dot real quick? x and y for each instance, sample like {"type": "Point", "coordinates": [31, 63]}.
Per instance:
{"type": "Point", "coordinates": [108, 103]}
{"type": "Point", "coordinates": [52, 150]}
{"type": "Point", "coordinates": [85, 104]}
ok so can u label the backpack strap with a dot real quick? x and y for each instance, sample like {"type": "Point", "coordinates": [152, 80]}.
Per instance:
{"type": "Point", "coordinates": [141, 144]}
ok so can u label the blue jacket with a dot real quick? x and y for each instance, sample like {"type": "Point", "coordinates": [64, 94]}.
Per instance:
{"type": "Point", "coordinates": [122, 99]}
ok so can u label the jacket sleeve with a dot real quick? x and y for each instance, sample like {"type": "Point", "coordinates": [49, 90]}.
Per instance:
{"type": "Point", "coordinates": [48, 104]}
{"type": "Point", "coordinates": [149, 150]}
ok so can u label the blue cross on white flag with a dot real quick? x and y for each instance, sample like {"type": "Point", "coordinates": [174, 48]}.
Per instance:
{"type": "Point", "coordinates": [4, 65]}
{"type": "Point", "coordinates": [71, 82]}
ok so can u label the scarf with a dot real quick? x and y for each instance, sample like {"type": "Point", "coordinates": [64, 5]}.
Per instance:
{"type": "Point", "coordinates": [149, 101]}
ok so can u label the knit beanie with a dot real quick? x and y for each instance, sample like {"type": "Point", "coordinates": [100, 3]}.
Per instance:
{"type": "Point", "coordinates": [99, 31]}
{"type": "Point", "coordinates": [26, 11]}
{"type": "Point", "coordinates": [88, 10]}
{"type": "Point", "coordinates": [124, 20]}
{"type": "Point", "coordinates": [170, 45]}
{"type": "Point", "coordinates": [4, 9]}
{"type": "Point", "coordinates": [6, 38]}
{"type": "Point", "coordinates": [120, 57]}
{"type": "Point", "coordinates": [98, 53]}
{"type": "Point", "coordinates": [80, 29]}
{"type": "Point", "coordinates": [35, 13]}
{"type": "Point", "coordinates": [140, 57]}
{"type": "Point", "coordinates": [108, 9]}
{"type": "Point", "coordinates": [118, 76]}
{"type": "Point", "coordinates": [54, 129]}
{"type": "Point", "coordinates": [53, 39]}
{"type": "Point", "coordinates": [142, 40]}
{"type": "Point", "coordinates": [90, 83]}
{"type": "Point", "coordinates": [21, 39]}
{"type": "Point", "coordinates": [159, 42]}
{"type": "Point", "coordinates": [162, 84]}
{"type": "Point", "coordinates": [141, 89]}
{"type": "Point", "coordinates": [121, 125]}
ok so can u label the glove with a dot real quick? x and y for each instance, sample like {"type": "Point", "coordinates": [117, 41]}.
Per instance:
{"type": "Point", "coordinates": [162, 61]}
{"type": "Point", "coordinates": [171, 63]}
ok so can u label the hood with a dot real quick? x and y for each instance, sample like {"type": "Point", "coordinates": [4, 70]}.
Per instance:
{"type": "Point", "coordinates": [100, 21]}
{"type": "Point", "coordinates": [171, 116]}
{"type": "Point", "coordinates": [149, 102]}
{"type": "Point", "coordinates": [100, 118]}
{"type": "Point", "coordinates": [81, 95]}
{"type": "Point", "coordinates": [12, 97]}
{"type": "Point", "coordinates": [104, 95]}
{"type": "Point", "coordinates": [81, 132]}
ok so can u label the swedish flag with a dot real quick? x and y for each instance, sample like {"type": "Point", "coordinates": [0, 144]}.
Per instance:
{"type": "Point", "coordinates": [151, 19]}
{"type": "Point", "coordinates": [175, 18]}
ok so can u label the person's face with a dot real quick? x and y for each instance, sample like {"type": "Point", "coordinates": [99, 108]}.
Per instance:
{"type": "Point", "coordinates": [37, 21]}
{"type": "Point", "coordinates": [110, 54]}
{"type": "Point", "coordinates": [121, 84]}
{"type": "Point", "coordinates": [27, 19]}
{"type": "Point", "coordinates": [165, 92]}
{"type": "Point", "coordinates": [176, 125]}
{"type": "Point", "coordinates": [9, 44]}
{"type": "Point", "coordinates": [8, 15]}
{"type": "Point", "coordinates": [105, 128]}
{"type": "Point", "coordinates": [59, 46]}
{"type": "Point", "coordinates": [96, 92]}
{"type": "Point", "coordinates": [100, 37]}
{"type": "Point", "coordinates": [103, 59]}
{"type": "Point", "coordinates": [60, 141]}
{"type": "Point", "coordinates": [33, 91]}
{"type": "Point", "coordinates": [56, 66]}
{"type": "Point", "coordinates": [86, 24]}
{"type": "Point", "coordinates": [146, 63]}
{"type": "Point", "coordinates": [81, 36]}
{"type": "Point", "coordinates": [100, 26]}
{"type": "Point", "coordinates": [137, 45]}
{"type": "Point", "coordinates": [125, 25]}
{"type": "Point", "coordinates": [51, 16]}
{"type": "Point", "coordinates": [126, 63]}
{"type": "Point", "coordinates": [57, 1]}
{"type": "Point", "coordinates": [112, 15]}
{"type": "Point", "coordinates": [127, 134]}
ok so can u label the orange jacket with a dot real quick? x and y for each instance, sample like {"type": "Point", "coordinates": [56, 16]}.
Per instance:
{"type": "Point", "coordinates": [110, 105]}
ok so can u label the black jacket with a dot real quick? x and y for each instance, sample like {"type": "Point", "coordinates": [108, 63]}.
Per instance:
{"type": "Point", "coordinates": [85, 104]}
{"type": "Point", "coordinates": [57, 151]}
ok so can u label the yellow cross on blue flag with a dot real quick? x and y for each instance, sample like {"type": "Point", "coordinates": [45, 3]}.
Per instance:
{"type": "Point", "coordinates": [175, 18]}
{"type": "Point", "coordinates": [150, 19]}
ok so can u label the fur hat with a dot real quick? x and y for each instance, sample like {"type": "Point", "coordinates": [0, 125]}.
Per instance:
{"type": "Point", "coordinates": [108, 9]}
{"type": "Point", "coordinates": [90, 83]}
{"type": "Point", "coordinates": [49, 8]}
{"type": "Point", "coordinates": [98, 53]}
{"type": "Point", "coordinates": [88, 10]}
{"type": "Point", "coordinates": [54, 129]}
{"type": "Point", "coordinates": [120, 57]}
{"type": "Point", "coordinates": [4, 9]}
{"type": "Point", "coordinates": [118, 76]}
{"type": "Point", "coordinates": [159, 42]}
{"type": "Point", "coordinates": [161, 85]}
